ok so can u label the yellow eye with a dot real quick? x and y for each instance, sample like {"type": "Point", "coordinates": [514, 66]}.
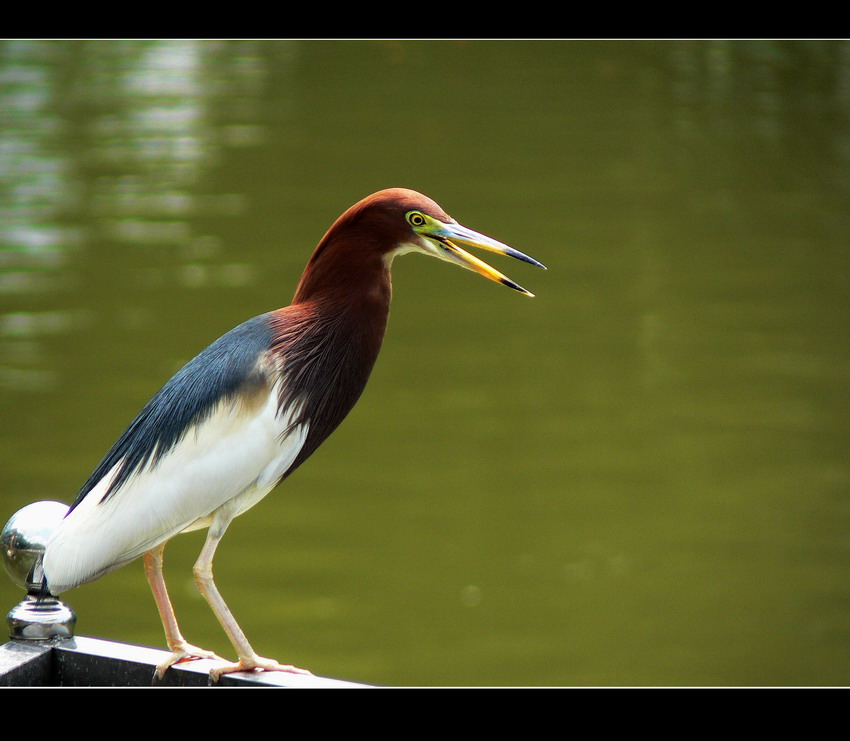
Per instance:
{"type": "Point", "coordinates": [414, 218]}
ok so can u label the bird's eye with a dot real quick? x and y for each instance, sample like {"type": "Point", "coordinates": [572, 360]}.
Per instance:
{"type": "Point", "coordinates": [414, 218]}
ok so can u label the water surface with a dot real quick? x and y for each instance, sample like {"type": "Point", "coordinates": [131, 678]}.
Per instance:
{"type": "Point", "coordinates": [638, 477]}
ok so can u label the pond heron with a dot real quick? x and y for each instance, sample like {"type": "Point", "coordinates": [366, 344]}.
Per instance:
{"type": "Point", "coordinates": [249, 409]}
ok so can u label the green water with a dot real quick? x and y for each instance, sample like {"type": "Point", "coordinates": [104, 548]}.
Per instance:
{"type": "Point", "coordinates": [639, 477]}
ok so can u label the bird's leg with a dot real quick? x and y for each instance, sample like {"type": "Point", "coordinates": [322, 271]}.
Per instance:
{"type": "Point", "coordinates": [248, 659]}
{"type": "Point", "coordinates": [180, 649]}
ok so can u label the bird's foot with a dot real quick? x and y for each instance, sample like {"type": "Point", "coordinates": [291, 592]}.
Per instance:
{"type": "Point", "coordinates": [255, 664]}
{"type": "Point", "coordinates": [183, 652]}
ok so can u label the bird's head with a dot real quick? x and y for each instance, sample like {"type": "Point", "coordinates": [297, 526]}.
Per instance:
{"type": "Point", "coordinates": [396, 221]}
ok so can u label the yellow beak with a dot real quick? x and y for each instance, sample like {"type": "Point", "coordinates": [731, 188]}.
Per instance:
{"type": "Point", "coordinates": [447, 237]}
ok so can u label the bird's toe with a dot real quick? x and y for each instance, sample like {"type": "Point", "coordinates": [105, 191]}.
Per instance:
{"type": "Point", "coordinates": [255, 664]}
{"type": "Point", "coordinates": [184, 652]}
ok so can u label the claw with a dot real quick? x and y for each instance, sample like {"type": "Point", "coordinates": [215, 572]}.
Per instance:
{"type": "Point", "coordinates": [183, 652]}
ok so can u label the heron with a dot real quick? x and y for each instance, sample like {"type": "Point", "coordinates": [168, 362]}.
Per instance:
{"type": "Point", "coordinates": [248, 410]}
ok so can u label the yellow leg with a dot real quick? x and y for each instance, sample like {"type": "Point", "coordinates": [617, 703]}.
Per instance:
{"type": "Point", "coordinates": [248, 659]}
{"type": "Point", "coordinates": [180, 649]}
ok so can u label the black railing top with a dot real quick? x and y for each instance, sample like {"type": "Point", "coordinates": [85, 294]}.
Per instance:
{"type": "Point", "coordinates": [92, 662]}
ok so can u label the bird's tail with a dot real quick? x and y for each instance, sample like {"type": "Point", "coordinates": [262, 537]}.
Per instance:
{"type": "Point", "coordinates": [38, 577]}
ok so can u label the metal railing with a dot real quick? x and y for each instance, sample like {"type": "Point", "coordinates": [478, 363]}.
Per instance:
{"type": "Point", "coordinates": [92, 662]}
{"type": "Point", "coordinates": [44, 652]}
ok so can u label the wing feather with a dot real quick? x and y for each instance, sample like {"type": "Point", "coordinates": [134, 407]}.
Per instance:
{"type": "Point", "coordinates": [232, 459]}
{"type": "Point", "coordinates": [214, 436]}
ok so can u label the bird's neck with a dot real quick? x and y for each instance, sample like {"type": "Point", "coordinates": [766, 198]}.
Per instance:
{"type": "Point", "coordinates": [344, 299]}
{"type": "Point", "coordinates": [340, 276]}
{"type": "Point", "coordinates": [327, 342]}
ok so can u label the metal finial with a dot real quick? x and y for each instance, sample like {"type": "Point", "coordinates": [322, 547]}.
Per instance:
{"type": "Point", "coordinates": [39, 617]}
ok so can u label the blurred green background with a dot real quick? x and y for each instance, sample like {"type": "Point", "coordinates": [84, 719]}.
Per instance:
{"type": "Point", "coordinates": [639, 477]}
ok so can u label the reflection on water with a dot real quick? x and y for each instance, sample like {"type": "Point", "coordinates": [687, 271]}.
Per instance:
{"type": "Point", "coordinates": [639, 477]}
{"type": "Point", "coordinates": [114, 144]}
{"type": "Point", "coordinates": [35, 243]}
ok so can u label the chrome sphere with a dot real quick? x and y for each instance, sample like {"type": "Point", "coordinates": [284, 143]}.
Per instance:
{"type": "Point", "coordinates": [25, 536]}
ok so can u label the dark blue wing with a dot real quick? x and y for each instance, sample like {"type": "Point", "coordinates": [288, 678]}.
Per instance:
{"type": "Point", "coordinates": [226, 367]}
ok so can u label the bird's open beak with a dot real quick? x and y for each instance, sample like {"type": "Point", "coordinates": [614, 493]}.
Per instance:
{"type": "Point", "coordinates": [450, 236]}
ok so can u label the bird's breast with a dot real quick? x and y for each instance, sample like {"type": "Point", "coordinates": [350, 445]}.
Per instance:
{"type": "Point", "coordinates": [325, 360]}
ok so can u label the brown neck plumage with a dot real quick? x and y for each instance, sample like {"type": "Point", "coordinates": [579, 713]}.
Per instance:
{"type": "Point", "coordinates": [344, 267]}
{"type": "Point", "coordinates": [328, 339]}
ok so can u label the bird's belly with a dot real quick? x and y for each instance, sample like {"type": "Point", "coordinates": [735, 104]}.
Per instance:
{"type": "Point", "coordinates": [231, 460]}
{"type": "Point", "coordinates": [237, 505]}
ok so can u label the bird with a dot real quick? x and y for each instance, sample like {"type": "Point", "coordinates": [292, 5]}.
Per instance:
{"type": "Point", "coordinates": [248, 410]}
